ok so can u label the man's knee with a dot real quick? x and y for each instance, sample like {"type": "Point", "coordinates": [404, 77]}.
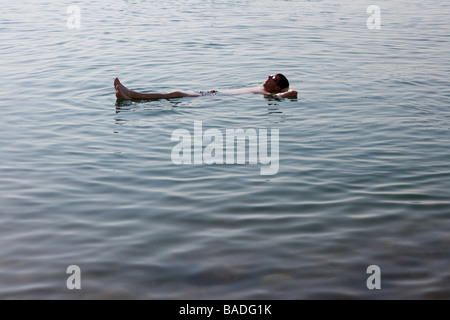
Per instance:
{"type": "Point", "coordinates": [177, 94]}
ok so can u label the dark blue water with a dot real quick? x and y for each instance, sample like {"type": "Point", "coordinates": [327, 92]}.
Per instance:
{"type": "Point", "coordinates": [364, 173]}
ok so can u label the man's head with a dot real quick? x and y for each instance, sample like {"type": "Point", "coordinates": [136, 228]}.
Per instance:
{"type": "Point", "coordinates": [276, 83]}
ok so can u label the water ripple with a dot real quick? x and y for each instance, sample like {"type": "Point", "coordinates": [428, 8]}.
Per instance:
{"type": "Point", "coordinates": [363, 175]}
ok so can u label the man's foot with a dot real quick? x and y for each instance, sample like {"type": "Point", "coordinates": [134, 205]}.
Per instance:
{"type": "Point", "coordinates": [122, 93]}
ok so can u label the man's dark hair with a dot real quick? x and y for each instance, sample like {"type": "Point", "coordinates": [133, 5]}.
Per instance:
{"type": "Point", "coordinates": [283, 83]}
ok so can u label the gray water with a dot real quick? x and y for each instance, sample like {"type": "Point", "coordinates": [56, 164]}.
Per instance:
{"type": "Point", "coordinates": [364, 174]}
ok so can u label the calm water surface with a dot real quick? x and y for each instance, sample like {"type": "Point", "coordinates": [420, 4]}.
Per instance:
{"type": "Point", "coordinates": [364, 173]}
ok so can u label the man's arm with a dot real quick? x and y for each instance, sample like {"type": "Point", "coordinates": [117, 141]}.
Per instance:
{"type": "Point", "coordinates": [288, 94]}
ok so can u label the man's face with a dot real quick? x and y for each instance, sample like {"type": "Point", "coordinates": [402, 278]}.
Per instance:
{"type": "Point", "coordinates": [271, 84]}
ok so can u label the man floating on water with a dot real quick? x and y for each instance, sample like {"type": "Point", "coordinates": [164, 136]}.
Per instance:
{"type": "Point", "coordinates": [276, 86]}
